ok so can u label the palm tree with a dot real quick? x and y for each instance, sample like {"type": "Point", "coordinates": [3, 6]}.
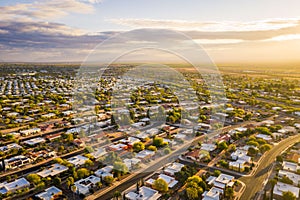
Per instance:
{"type": "Point", "coordinates": [273, 182]}
{"type": "Point", "coordinates": [117, 194]}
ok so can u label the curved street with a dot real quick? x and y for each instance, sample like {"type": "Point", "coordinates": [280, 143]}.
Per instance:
{"type": "Point", "coordinates": [254, 183]}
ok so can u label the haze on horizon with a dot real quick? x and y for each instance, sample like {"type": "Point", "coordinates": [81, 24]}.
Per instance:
{"type": "Point", "coordinates": [231, 32]}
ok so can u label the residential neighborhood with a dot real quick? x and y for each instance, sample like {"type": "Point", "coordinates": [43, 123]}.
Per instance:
{"type": "Point", "coordinates": [145, 142]}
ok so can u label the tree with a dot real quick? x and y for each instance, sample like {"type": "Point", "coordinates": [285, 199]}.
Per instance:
{"type": "Point", "coordinates": [33, 178]}
{"type": "Point", "coordinates": [138, 146]}
{"type": "Point", "coordinates": [273, 182]}
{"type": "Point", "coordinates": [252, 151]}
{"type": "Point", "coordinates": [117, 194]}
{"type": "Point", "coordinates": [263, 130]}
{"type": "Point", "coordinates": [195, 179]}
{"type": "Point", "coordinates": [160, 185]}
{"type": "Point", "coordinates": [222, 145]}
{"type": "Point", "coordinates": [108, 180]}
{"type": "Point", "coordinates": [57, 181]}
{"type": "Point", "coordinates": [286, 180]}
{"type": "Point", "coordinates": [112, 157]}
{"type": "Point", "coordinates": [70, 181]}
{"type": "Point", "coordinates": [217, 173]}
{"type": "Point", "coordinates": [99, 184]}
{"type": "Point", "coordinates": [152, 148]}
{"type": "Point", "coordinates": [288, 196]}
{"type": "Point", "coordinates": [192, 193]}
{"type": "Point", "coordinates": [279, 158]}
{"type": "Point", "coordinates": [120, 167]}
{"type": "Point", "coordinates": [253, 143]}
{"type": "Point", "coordinates": [231, 147]}
{"type": "Point", "coordinates": [88, 163]}
{"type": "Point", "coordinates": [82, 172]}
{"type": "Point", "coordinates": [167, 150]}
{"type": "Point", "coordinates": [70, 137]}
{"type": "Point", "coordinates": [61, 148]}
{"type": "Point", "coordinates": [229, 193]}
{"type": "Point", "coordinates": [265, 147]}
{"type": "Point", "coordinates": [58, 160]}
{"type": "Point", "coordinates": [158, 141]}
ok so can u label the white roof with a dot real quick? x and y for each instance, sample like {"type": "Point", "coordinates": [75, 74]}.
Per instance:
{"type": "Point", "coordinates": [290, 166]}
{"type": "Point", "coordinates": [224, 178]}
{"type": "Point", "coordinates": [263, 136]}
{"type": "Point", "coordinates": [99, 152]}
{"type": "Point", "coordinates": [52, 171]}
{"type": "Point", "coordinates": [145, 153]}
{"type": "Point", "coordinates": [35, 141]}
{"type": "Point", "coordinates": [212, 194]}
{"type": "Point", "coordinates": [145, 193]}
{"type": "Point", "coordinates": [128, 162]}
{"type": "Point", "coordinates": [77, 160]}
{"type": "Point", "coordinates": [84, 185]}
{"type": "Point", "coordinates": [12, 186]}
{"type": "Point", "coordinates": [208, 147]}
{"type": "Point", "coordinates": [170, 180]}
{"type": "Point", "coordinates": [173, 168]}
{"type": "Point", "coordinates": [283, 187]}
{"type": "Point", "coordinates": [294, 177]}
{"type": "Point", "coordinates": [49, 193]}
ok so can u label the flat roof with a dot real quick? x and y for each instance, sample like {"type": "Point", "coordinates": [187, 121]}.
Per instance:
{"type": "Point", "coordinates": [53, 170]}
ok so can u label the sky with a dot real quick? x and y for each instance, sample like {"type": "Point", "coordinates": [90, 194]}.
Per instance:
{"type": "Point", "coordinates": [229, 31]}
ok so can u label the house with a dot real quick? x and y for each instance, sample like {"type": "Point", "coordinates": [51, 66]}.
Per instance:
{"type": "Point", "coordinates": [34, 141]}
{"type": "Point", "coordinates": [223, 180]}
{"type": "Point", "coordinates": [78, 142]}
{"type": "Point", "coordinates": [292, 176]}
{"type": "Point", "coordinates": [142, 136]}
{"type": "Point", "coordinates": [208, 147]}
{"type": "Point", "coordinates": [173, 168]}
{"type": "Point", "coordinates": [130, 163]}
{"type": "Point", "coordinates": [30, 131]}
{"type": "Point", "coordinates": [77, 160]}
{"type": "Point", "coordinates": [117, 147]}
{"type": "Point", "coordinates": [129, 141]}
{"type": "Point", "coordinates": [171, 181]}
{"type": "Point", "coordinates": [13, 186]}
{"type": "Point", "coordinates": [98, 153]}
{"type": "Point", "coordinates": [238, 165]}
{"type": "Point", "coordinates": [105, 171]}
{"type": "Point", "coordinates": [289, 166]}
{"type": "Point", "coordinates": [48, 115]}
{"type": "Point", "coordinates": [50, 193]}
{"type": "Point", "coordinates": [213, 194]}
{"type": "Point", "coordinates": [279, 188]}
{"type": "Point", "coordinates": [287, 129]}
{"type": "Point", "coordinates": [144, 193]}
{"type": "Point", "coordinates": [263, 136]}
{"type": "Point", "coordinates": [9, 147]}
{"type": "Point", "coordinates": [83, 186]}
{"type": "Point", "coordinates": [53, 171]}
{"type": "Point", "coordinates": [145, 154]}
{"type": "Point", "coordinates": [240, 155]}
{"type": "Point", "coordinates": [16, 162]}
{"type": "Point", "coordinates": [267, 122]}
{"type": "Point", "coordinates": [53, 136]}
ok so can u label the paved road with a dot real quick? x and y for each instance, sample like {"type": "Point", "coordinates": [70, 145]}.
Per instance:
{"type": "Point", "coordinates": [132, 179]}
{"type": "Point", "coordinates": [254, 183]}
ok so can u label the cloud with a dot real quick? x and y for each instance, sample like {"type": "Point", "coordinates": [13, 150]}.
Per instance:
{"type": "Point", "coordinates": [285, 37]}
{"type": "Point", "coordinates": [52, 9]}
{"type": "Point", "coordinates": [92, 1]}
{"type": "Point", "coordinates": [218, 41]}
{"type": "Point", "coordinates": [209, 26]}
{"type": "Point", "coordinates": [46, 35]}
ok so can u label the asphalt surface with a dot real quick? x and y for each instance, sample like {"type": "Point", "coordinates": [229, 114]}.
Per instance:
{"type": "Point", "coordinates": [254, 183]}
